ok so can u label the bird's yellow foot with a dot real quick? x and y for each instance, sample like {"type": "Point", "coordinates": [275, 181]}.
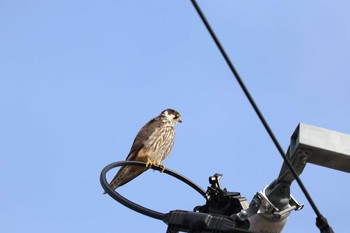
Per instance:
{"type": "Point", "coordinates": [161, 166]}
{"type": "Point", "coordinates": [149, 163]}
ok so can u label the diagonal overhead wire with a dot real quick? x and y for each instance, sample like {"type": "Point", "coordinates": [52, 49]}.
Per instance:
{"type": "Point", "coordinates": [320, 220]}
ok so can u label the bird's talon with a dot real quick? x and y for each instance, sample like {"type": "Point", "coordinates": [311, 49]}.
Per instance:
{"type": "Point", "coordinates": [162, 167]}
{"type": "Point", "coordinates": [149, 163]}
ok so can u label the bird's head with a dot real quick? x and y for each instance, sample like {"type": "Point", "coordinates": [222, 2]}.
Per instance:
{"type": "Point", "coordinates": [171, 115]}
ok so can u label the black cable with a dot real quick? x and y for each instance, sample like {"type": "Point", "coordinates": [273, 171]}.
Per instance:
{"type": "Point", "coordinates": [138, 208]}
{"type": "Point", "coordinates": [177, 220]}
{"type": "Point", "coordinates": [258, 112]}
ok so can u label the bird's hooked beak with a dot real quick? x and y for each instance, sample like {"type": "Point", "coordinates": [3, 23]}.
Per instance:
{"type": "Point", "coordinates": [177, 117]}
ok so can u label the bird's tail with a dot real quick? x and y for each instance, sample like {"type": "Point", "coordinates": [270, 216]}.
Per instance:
{"type": "Point", "coordinates": [124, 175]}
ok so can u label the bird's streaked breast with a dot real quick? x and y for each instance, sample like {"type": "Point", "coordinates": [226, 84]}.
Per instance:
{"type": "Point", "coordinates": [160, 143]}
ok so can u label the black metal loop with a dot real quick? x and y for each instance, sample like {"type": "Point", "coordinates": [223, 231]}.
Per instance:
{"type": "Point", "coordinates": [136, 207]}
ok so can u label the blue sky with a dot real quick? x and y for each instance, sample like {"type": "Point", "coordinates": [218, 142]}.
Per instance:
{"type": "Point", "coordinates": [78, 79]}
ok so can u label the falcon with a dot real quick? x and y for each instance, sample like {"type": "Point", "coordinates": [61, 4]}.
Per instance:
{"type": "Point", "coordinates": [152, 145]}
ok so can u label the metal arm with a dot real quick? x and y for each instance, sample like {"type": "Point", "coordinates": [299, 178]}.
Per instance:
{"type": "Point", "coordinates": [270, 208]}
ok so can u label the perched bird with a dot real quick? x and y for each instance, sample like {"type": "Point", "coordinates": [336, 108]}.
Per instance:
{"type": "Point", "coordinates": [152, 145]}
